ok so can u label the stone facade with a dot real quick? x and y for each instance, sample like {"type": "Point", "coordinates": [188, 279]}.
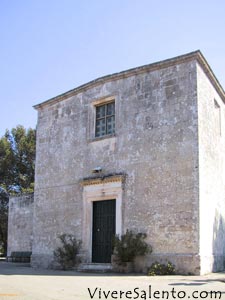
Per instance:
{"type": "Point", "coordinates": [164, 165]}
{"type": "Point", "coordinates": [211, 140]}
{"type": "Point", "coordinates": [20, 223]}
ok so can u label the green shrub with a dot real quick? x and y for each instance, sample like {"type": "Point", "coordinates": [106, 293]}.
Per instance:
{"type": "Point", "coordinates": [1, 250]}
{"type": "Point", "coordinates": [161, 269]}
{"type": "Point", "coordinates": [130, 245]}
{"type": "Point", "coordinates": [66, 255]}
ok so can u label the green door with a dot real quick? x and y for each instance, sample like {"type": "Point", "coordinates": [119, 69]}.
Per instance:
{"type": "Point", "coordinates": [104, 216]}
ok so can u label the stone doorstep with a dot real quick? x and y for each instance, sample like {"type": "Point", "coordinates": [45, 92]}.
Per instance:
{"type": "Point", "coordinates": [95, 267]}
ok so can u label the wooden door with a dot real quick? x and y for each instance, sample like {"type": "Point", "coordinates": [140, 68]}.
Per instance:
{"type": "Point", "coordinates": [104, 216]}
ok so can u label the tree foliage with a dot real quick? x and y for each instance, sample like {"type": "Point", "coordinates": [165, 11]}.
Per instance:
{"type": "Point", "coordinates": [17, 159]}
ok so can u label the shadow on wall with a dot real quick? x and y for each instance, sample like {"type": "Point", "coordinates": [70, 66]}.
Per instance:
{"type": "Point", "coordinates": [218, 242]}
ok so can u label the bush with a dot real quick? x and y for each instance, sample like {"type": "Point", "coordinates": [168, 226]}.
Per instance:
{"type": "Point", "coordinates": [130, 245]}
{"type": "Point", "coordinates": [1, 250]}
{"type": "Point", "coordinates": [66, 255]}
{"type": "Point", "coordinates": [161, 269]}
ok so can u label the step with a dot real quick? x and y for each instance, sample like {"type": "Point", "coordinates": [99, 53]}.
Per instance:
{"type": "Point", "coordinates": [95, 267]}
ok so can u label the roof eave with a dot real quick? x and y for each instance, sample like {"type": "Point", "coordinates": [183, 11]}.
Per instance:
{"type": "Point", "coordinates": [210, 74]}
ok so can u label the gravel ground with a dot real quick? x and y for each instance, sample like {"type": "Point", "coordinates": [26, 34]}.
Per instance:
{"type": "Point", "coordinates": [20, 282]}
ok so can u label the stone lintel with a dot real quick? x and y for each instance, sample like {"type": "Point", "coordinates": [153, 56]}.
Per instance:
{"type": "Point", "coordinates": [102, 179]}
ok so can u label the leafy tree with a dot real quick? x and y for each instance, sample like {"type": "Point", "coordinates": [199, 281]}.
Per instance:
{"type": "Point", "coordinates": [17, 159]}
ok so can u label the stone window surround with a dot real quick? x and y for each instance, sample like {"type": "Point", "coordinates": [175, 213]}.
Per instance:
{"type": "Point", "coordinates": [99, 190]}
{"type": "Point", "coordinates": [92, 117]}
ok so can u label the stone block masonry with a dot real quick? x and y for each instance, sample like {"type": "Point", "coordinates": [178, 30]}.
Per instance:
{"type": "Point", "coordinates": [20, 223]}
{"type": "Point", "coordinates": [164, 165]}
{"type": "Point", "coordinates": [160, 143]}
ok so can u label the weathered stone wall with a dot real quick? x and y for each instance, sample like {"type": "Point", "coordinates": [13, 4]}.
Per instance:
{"type": "Point", "coordinates": [155, 145]}
{"type": "Point", "coordinates": [211, 116]}
{"type": "Point", "coordinates": [20, 223]}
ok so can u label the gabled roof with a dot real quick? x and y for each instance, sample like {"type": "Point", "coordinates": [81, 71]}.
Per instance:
{"type": "Point", "coordinates": [196, 55]}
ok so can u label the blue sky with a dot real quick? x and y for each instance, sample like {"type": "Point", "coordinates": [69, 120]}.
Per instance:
{"type": "Point", "coordinates": [48, 47]}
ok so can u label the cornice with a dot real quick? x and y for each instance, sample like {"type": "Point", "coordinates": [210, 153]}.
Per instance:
{"type": "Point", "coordinates": [196, 55]}
{"type": "Point", "coordinates": [21, 195]}
{"type": "Point", "coordinates": [103, 179]}
{"type": "Point", "coordinates": [210, 74]}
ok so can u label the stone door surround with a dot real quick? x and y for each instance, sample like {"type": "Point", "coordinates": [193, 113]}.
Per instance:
{"type": "Point", "coordinates": [99, 189]}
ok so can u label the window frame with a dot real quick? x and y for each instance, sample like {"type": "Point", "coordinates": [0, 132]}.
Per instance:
{"type": "Point", "coordinates": [91, 109]}
{"type": "Point", "coordinates": [105, 117]}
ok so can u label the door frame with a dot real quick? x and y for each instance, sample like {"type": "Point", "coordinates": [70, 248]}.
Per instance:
{"type": "Point", "coordinates": [106, 190]}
